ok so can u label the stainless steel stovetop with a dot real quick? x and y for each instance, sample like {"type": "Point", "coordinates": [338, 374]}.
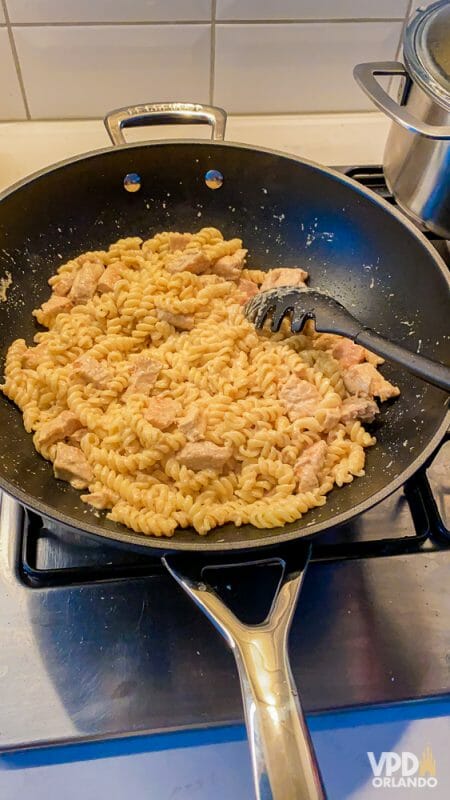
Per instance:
{"type": "Point", "coordinates": [97, 642]}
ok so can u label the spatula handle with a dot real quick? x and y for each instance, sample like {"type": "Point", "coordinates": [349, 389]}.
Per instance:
{"type": "Point", "coordinates": [430, 371]}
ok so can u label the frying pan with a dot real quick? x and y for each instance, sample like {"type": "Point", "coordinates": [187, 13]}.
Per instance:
{"type": "Point", "coordinates": [289, 212]}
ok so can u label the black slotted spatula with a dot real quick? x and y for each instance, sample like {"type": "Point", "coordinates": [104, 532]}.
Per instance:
{"type": "Point", "coordinates": [331, 317]}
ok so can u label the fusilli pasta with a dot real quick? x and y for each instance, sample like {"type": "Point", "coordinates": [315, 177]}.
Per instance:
{"type": "Point", "coordinates": [151, 390]}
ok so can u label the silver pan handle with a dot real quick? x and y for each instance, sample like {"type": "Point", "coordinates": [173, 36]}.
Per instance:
{"type": "Point", "coordinates": [164, 114]}
{"type": "Point", "coordinates": [365, 76]}
{"type": "Point", "coordinates": [283, 760]}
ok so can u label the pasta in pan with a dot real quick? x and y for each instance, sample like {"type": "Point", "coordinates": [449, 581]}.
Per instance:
{"type": "Point", "coordinates": [151, 392]}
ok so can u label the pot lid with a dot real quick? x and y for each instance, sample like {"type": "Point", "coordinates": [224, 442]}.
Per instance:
{"type": "Point", "coordinates": [426, 47]}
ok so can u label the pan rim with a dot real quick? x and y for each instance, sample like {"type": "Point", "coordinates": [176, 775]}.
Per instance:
{"type": "Point", "coordinates": [333, 172]}
{"type": "Point", "coordinates": [145, 542]}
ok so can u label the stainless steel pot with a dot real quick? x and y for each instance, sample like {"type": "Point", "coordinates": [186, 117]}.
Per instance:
{"type": "Point", "coordinates": [417, 154]}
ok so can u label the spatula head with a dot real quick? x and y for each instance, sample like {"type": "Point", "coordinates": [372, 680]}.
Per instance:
{"type": "Point", "coordinates": [300, 305]}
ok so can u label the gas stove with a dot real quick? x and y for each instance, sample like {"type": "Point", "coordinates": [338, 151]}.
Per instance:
{"type": "Point", "coordinates": [99, 642]}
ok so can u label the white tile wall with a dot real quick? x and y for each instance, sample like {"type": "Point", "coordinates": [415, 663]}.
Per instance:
{"type": "Point", "coordinates": [86, 71]}
{"type": "Point", "coordinates": [77, 58]}
{"type": "Point", "coordinates": [11, 103]}
{"type": "Point", "coordinates": [108, 10]}
{"type": "Point", "coordinates": [309, 9]}
{"type": "Point", "coordinates": [297, 67]}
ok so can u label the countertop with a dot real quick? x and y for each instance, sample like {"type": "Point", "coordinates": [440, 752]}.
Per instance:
{"type": "Point", "coordinates": [201, 765]}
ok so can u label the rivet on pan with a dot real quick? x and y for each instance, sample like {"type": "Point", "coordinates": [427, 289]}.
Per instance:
{"type": "Point", "coordinates": [213, 179]}
{"type": "Point", "coordinates": [132, 182]}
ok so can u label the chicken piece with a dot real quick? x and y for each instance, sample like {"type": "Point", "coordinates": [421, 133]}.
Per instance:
{"type": "Point", "coordinates": [364, 380]}
{"type": "Point", "coordinates": [204, 455]}
{"type": "Point", "coordinates": [100, 500]}
{"type": "Point", "coordinates": [382, 388]}
{"type": "Point", "coordinates": [285, 276]}
{"type": "Point", "coordinates": [248, 289]}
{"type": "Point", "coordinates": [193, 425]}
{"type": "Point", "coordinates": [143, 377]}
{"type": "Point", "coordinates": [58, 428]}
{"type": "Point", "coordinates": [331, 418]}
{"type": "Point", "coordinates": [182, 322]}
{"type": "Point", "coordinates": [362, 408]}
{"type": "Point", "coordinates": [307, 467]}
{"type": "Point", "coordinates": [348, 353]}
{"type": "Point", "coordinates": [358, 379]}
{"type": "Point", "coordinates": [194, 261]}
{"type": "Point", "coordinates": [299, 397]}
{"type": "Point", "coordinates": [85, 282]}
{"type": "Point", "coordinates": [76, 437]}
{"type": "Point", "coordinates": [49, 310]}
{"type": "Point", "coordinates": [162, 412]}
{"type": "Point", "coordinates": [71, 465]}
{"type": "Point", "coordinates": [92, 371]}
{"type": "Point", "coordinates": [34, 356]}
{"type": "Point", "coordinates": [64, 284]}
{"type": "Point", "coordinates": [109, 278]}
{"type": "Point", "coordinates": [230, 267]}
{"type": "Point", "coordinates": [178, 241]}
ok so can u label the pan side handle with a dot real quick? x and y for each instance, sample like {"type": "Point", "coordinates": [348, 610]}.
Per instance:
{"type": "Point", "coordinates": [164, 114]}
{"type": "Point", "coordinates": [283, 761]}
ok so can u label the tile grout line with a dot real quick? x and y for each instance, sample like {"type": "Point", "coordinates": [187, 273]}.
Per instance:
{"type": "Point", "coordinates": [150, 23]}
{"type": "Point", "coordinates": [260, 115]}
{"type": "Point", "coordinates": [15, 56]}
{"type": "Point", "coordinates": [307, 21]}
{"type": "Point", "coordinates": [108, 23]}
{"type": "Point", "coordinates": [212, 65]}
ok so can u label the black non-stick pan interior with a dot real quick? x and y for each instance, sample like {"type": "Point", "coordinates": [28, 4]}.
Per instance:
{"type": "Point", "coordinates": [288, 213]}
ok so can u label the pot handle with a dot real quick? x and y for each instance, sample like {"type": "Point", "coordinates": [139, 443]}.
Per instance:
{"type": "Point", "coordinates": [283, 761]}
{"type": "Point", "coordinates": [365, 76]}
{"type": "Point", "coordinates": [164, 114]}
